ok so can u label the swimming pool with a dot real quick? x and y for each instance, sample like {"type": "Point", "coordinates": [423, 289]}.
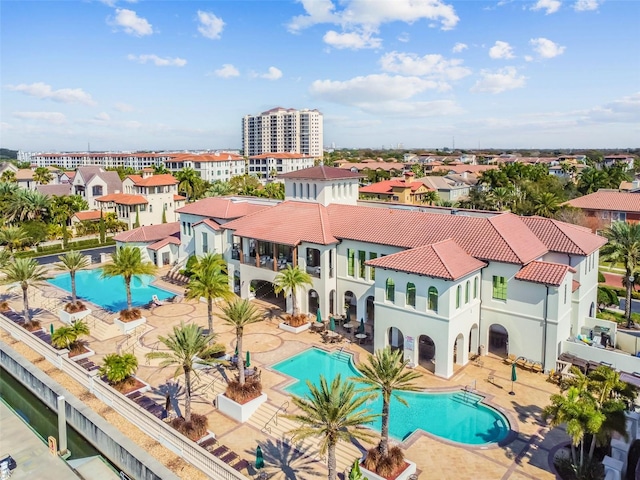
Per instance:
{"type": "Point", "coordinates": [456, 416]}
{"type": "Point", "coordinates": [109, 293]}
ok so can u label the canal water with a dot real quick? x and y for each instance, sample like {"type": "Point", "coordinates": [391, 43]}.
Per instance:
{"type": "Point", "coordinates": [40, 417]}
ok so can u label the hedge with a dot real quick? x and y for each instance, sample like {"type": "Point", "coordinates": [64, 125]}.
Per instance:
{"type": "Point", "coordinates": [53, 249]}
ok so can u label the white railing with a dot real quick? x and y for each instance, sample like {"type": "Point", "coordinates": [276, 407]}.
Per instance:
{"type": "Point", "coordinates": [619, 361]}
{"type": "Point", "coordinates": [145, 421]}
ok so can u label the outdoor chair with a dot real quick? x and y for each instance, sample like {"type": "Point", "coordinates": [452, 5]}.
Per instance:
{"type": "Point", "coordinates": [229, 457]}
{"type": "Point", "coordinates": [241, 465]}
{"type": "Point", "coordinates": [221, 450]}
{"type": "Point", "coordinates": [510, 359]}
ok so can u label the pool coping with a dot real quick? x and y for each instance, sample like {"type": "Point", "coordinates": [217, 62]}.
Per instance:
{"type": "Point", "coordinates": [486, 399]}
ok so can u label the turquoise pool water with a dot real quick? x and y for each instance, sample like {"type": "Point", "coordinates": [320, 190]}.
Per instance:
{"type": "Point", "coordinates": [457, 416]}
{"type": "Point", "coordinates": [109, 293]}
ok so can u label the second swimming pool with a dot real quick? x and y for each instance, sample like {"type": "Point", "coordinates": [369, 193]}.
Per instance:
{"type": "Point", "coordinates": [456, 416]}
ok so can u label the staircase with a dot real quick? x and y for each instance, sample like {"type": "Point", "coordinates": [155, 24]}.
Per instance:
{"type": "Point", "coordinates": [101, 330]}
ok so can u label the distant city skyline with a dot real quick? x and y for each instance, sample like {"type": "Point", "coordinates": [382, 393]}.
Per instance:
{"type": "Point", "coordinates": [177, 75]}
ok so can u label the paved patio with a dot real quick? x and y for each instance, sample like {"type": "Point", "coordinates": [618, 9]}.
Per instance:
{"type": "Point", "coordinates": [526, 454]}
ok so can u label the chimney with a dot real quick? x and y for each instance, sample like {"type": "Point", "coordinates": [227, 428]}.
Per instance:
{"type": "Point", "coordinates": [408, 177]}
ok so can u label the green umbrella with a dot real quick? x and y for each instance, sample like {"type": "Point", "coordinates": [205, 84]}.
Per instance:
{"type": "Point", "coordinates": [332, 325]}
{"type": "Point", "coordinates": [259, 458]}
{"type": "Point", "coordinates": [247, 362]}
{"type": "Point", "coordinates": [361, 326]}
{"type": "Point", "coordinates": [318, 316]}
{"type": "Point", "coordinates": [514, 377]}
{"type": "Point", "coordinates": [51, 328]}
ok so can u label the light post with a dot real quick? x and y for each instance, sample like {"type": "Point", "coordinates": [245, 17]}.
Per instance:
{"type": "Point", "coordinates": [630, 286]}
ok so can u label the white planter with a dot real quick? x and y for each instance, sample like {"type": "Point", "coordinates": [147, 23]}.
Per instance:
{"type": "Point", "coordinates": [88, 354]}
{"type": "Point", "coordinates": [69, 318]}
{"type": "Point", "coordinates": [240, 413]}
{"type": "Point", "coordinates": [145, 388]}
{"type": "Point", "coordinates": [127, 327]}
{"type": "Point", "coordinates": [299, 329]}
{"type": "Point", "coordinates": [410, 470]}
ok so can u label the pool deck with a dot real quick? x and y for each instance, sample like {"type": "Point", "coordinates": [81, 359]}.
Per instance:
{"type": "Point", "coordinates": [526, 454]}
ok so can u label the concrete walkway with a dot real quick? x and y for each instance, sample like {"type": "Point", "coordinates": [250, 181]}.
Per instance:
{"type": "Point", "coordinates": [29, 451]}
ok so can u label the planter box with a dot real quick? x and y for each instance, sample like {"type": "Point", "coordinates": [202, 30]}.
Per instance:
{"type": "Point", "coordinates": [89, 353]}
{"type": "Point", "coordinates": [410, 470]}
{"type": "Point", "coordinates": [69, 318]}
{"type": "Point", "coordinates": [301, 328]}
{"type": "Point", "coordinates": [145, 388]}
{"type": "Point", "coordinates": [240, 413]}
{"type": "Point", "coordinates": [128, 327]}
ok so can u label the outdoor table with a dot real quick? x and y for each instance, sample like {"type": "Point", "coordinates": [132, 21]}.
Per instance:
{"type": "Point", "coordinates": [350, 325]}
{"type": "Point", "coordinates": [361, 336]}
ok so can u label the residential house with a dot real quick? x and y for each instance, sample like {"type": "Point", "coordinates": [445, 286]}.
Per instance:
{"type": "Point", "coordinates": [608, 206]}
{"type": "Point", "coordinates": [268, 166]}
{"type": "Point", "coordinates": [158, 244]}
{"type": "Point", "coordinates": [211, 166]}
{"type": "Point", "coordinates": [405, 190]}
{"type": "Point", "coordinates": [453, 187]}
{"type": "Point", "coordinates": [91, 182]}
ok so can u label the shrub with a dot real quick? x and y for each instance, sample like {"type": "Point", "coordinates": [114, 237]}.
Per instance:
{"type": "Point", "coordinates": [130, 315]}
{"type": "Point", "coordinates": [32, 325]}
{"type": "Point", "coordinates": [4, 306]}
{"type": "Point", "coordinates": [194, 430]}
{"type": "Point", "coordinates": [74, 307]}
{"type": "Point", "coordinates": [251, 389]}
{"type": "Point", "coordinates": [296, 320]}
{"type": "Point", "coordinates": [388, 466]}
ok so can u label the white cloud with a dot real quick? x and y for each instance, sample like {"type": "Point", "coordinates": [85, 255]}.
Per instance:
{"type": "Point", "coordinates": [273, 74]}
{"type": "Point", "coordinates": [362, 13]}
{"type": "Point", "coordinates": [404, 37]}
{"type": "Point", "coordinates": [545, 48]}
{"type": "Point", "coordinates": [123, 107]}
{"type": "Point", "coordinates": [459, 47]}
{"type": "Point", "coordinates": [501, 50]}
{"type": "Point", "coordinates": [131, 23]}
{"type": "Point", "coordinates": [63, 95]}
{"type": "Point", "coordinates": [434, 66]}
{"type": "Point", "coordinates": [54, 118]}
{"type": "Point", "coordinates": [351, 40]}
{"type": "Point", "coordinates": [102, 117]}
{"type": "Point", "coordinates": [158, 61]}
{"type": "Point", "coordinates": [210, 26]}
{"type": "Point", "coordinates": [528, 58]}
{"type": "Point", "coordinates": [502, 80]}
{"type": "Point", "coordinates": [550, 6]}
{"type": "Point", "coordinates": [586, 5]}
{"type": "Point", "coordinates": [627, 109]}
{"type": "Point", "coordinates": [227, 71]}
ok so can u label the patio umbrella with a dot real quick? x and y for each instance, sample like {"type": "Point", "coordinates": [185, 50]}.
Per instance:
{"type": "Point", "coordinates": [514, 377]}
{"type": "Point", "coordinates": [332, 325]}
{"type": "Point", "coordinates": [247, 362]}
{"type": "Point", "coordinates": [361, 327]}
{"type": "Point", "coordinates": [318, 316]}
{"type": "Point", "coordinates": [51, 328]}
{"type": "Point", "coordinates": [259, 458]}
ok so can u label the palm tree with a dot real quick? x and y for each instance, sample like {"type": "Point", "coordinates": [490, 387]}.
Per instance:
{"type": "Point", "coordinates": [190, 183]}
{"type": "Point", "coordinates": [623, 247]}
{"type": "Point", "coordinates": [385, 373]}
{"type": "Point", "coordinates": [13, 237]}
{"type": "Point", "coordinates": [42, 175]}
{"type": "Point", "coordinates": [26, 205]}
{"type": "Point", "coordinates": [210, 280]}
{"type": "Point", "coordinates": [289, 280]}
{"type": "Point", "coordinates": [218, 189]}
{"type": "Point", "coordinates": [72, 262]}
{"type": "Point", "coordinates": [8, 176]}
{"type": "Point", "coordinates": [127, 262]}
{"type": "Point", "coordinates": [188, 345]}
{"type": "Point", "coordinates": [67, 336]}
{"type": "Point", "coordinates": [27, 273]}
{"type": "Point", "coordinates": [546, 204]}
{"type": "Point", "coordinates": [239, 314]}
{"type": "Point", "coordinates": [160, 170]}
{"type": "Point", "coordinates": [119, 368]}
{"type": "Point", "coordinates": [334, 412]}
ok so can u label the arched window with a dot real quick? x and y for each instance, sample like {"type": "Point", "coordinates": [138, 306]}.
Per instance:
{"type": "Point", "coordinates": [294, 190]}
{"type": "Point", "coordinates": [467, 288]}
{"type": "Point", "coordinates": [308, 190]}
{"type": "Point", "coordinates": [390, 291]}
{"type": "Point", "coordinates": [475, 287]}
{"type": "Point", "coordinates": [433, 299]}
{"type": "Point", "coordinates": [458, 295]}
{"type": "Point", "coordinates": [315, 190]}
{"type": "Point", "coordinates": [411, 294]}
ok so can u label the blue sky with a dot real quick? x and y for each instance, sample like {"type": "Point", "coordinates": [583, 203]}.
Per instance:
{"type": "Point", "coordinates": [154, 75]}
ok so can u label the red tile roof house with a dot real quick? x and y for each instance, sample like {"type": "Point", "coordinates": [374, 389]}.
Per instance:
{"type": "Point", "coordinates": [442, 287]}
{"type": "Point", "coordinates": [159, 244]}
{"type": "Point", "coordinates": [606, 206]}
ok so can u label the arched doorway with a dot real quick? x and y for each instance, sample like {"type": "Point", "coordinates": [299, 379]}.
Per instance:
{"type": "Point", "coordinates": [474, 339]}
{"type": "Point", "coordinates": [426, 352]}
{"type": "Point", "coordinates": [332, 302]}
{"type": "Point", "coordinates": [395, 339]}
{"type": "Point", "coordinates": [350, 305]}
{"type": "Point", "coordinates": [370, 309]}
{"type": "Point", "coordinates": [314, 301]}
{"type": "Point", "coordinates": [498, 340]}
{"type": "Point", "coordinates": [263, 291]}
{"type": "Point", "coordinates": [458, 346]}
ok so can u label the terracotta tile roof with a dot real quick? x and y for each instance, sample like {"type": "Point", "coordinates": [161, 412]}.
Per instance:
{"type": "Point", "coordinates": [574, 286]}
{"type": "Point", "coordinates": [70, 175]}
{"type": "Point", "coordinates": [503, 238]}
{"type": "Point", "coordinates": [441, 260]}
{"type": "Point", "coordinates": [154, 180]}
{"type": "Point", "coordinates": [465, 168]}
{"type": "Point", "coordinates": [386, 166]}
{"type": "Point", "coordinates": [150, 233]}
{"type": "Point", "coordinates": [60, 190]}
{"type": "Point", "coordinates": [88, 215]}
{"type": "Point", "coordinates": [215, 157]}
{"type": "Point", "coordinates": [210, 223]}
{"type": "Point", "coordinates": [288, 223]}
{"type": "Point", "coordinates": [219, 207]}
{"type": "Point", "coordinates": [387, 186]}
{"type": "Point", "coordinates": [123, 199]}
{"type": "Point", "coordinates": [545, 273]}
{"type": "Point", "coordinates": [178, 198]}
{"type": "Point", "coordinates": [161, 243]}
{"type": "Point", "coordinates": [321, 172]}
{"type": "Point", "coordinates": [611, 200]}
{"type": "Point", "coordinates": [564, 237]}
{"type": "Point", "coordinates": [24, 174]}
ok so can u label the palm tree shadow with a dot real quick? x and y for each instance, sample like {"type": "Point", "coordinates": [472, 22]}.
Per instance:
{"type": "Point", "coordinates": [281, 457]}
{"type": "Point", "coordinates": [171, 391]}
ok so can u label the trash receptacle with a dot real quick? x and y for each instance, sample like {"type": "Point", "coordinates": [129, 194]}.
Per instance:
{"type": "Point", "coordinates": [481, 350]}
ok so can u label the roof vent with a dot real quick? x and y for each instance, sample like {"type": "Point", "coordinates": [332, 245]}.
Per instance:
{"type": "Point", "coordinates": [454, 211]}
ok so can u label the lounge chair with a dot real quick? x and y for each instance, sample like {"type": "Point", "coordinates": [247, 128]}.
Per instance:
{"type": "Point", "coordinates": [510, 359]}
{"type": "Point", "coordinates": [241, 465]}
{"type": "Point", "coordinates": [229, 457]}
{"type": "Point", "coordinates": [221, 450]}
